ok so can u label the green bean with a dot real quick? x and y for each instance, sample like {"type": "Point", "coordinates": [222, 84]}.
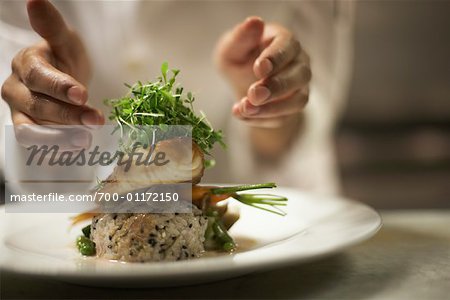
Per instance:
{"type": "Point", "coordinates": [85, 246]}
{"type": "Point", "coordinates": [222, 234]}
{"type": "Point", "coordinates": [209, 233]}
{"type": "Point", "coordinates": [229, 246]}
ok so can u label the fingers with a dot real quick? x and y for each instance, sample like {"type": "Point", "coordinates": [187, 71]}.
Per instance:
{"type": "Point", "coordinates": [47, 22]}
{"type": "Point", "coordinates": [65, 46]}
{"type": "Point", "coordinates": [44, 108]}
{"type": "Point", "coordinates": [281, 50]}
{"type": "Point", "coordinates": [276, 84]}
{"type": "Point", "coordinates": [242, 42]}
{"type": "Point", "coordinates": [67, 138]}
{"type": "Point", "coordinates": [292, 104]}
{"type": "Point", "coordinates": [20, 118]}
{"type": "Point", "coordinates": [264, 123]}
{"type": "Point", "coordinates": [294, 77]}
{"type": "Point", "coordinates": [41, 77]}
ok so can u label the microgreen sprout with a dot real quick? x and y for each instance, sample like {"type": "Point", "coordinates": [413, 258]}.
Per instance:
{"type": "Point", "coordinates": [161, 103]}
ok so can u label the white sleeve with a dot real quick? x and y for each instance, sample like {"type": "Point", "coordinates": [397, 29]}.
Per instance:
{"type": "Point", "coordinates": [309, 163]}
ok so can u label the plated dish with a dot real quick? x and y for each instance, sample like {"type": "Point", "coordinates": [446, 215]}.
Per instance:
{"type": "Point", "coordinates": [148, 236]}
{"type": "Point", "coordinates": [314, 226]}
{"type": "Point", "coordinates": [230, 230]}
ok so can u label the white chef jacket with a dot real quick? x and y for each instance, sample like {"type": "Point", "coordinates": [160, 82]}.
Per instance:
{"type": "Point", "coordinates": [128, 40]}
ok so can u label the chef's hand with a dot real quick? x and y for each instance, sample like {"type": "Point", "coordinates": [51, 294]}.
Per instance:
{"type": "Point", "coordinates": [48, 84]}
{"type": "Point", "coordinates": [270, 73]}
{"type": "Point", "coordinates": [268, 69]}
{"type": "Point", "coordinates": [48, 80]}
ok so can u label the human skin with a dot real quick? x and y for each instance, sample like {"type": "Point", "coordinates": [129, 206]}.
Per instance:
{"type": "Point", "coordinates": [270, 74]}
{"type": "Point", "coordinates": [264, 63]}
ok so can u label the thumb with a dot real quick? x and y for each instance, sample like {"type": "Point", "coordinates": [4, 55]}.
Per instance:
{"type": "Point", "coordinates": [46, 20]}
{"type": "Point", "coordinates": [241, 42]}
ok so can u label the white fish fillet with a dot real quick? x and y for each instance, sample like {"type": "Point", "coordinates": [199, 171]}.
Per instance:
{"type": "Point", "coordinates": [186, 165]}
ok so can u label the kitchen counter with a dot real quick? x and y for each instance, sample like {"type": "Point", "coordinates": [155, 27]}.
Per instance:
{"type": "Point", "coordinates": [409, 258]}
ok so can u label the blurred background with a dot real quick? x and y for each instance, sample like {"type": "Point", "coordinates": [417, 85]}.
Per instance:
{"type": "Point", "coordinates": [393, 141]}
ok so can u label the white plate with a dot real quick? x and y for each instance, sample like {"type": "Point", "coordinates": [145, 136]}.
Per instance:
{"type": "Point", "coordinates": [316, 226]}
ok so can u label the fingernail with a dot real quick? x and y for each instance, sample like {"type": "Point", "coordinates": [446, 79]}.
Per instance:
{"type": "Point", "coordinates": [251, 109]}
{"type": "Point", "coordinates": [265, 67]}
{"type": "Point", "coordinates": [74, 94]}
{"type": "Point", "coordinates": [251, 18]}
{"type": "Point", "coordinates": [254, 20]}
{"type": "Point", "coordinates": [90, 117]}
{"type": "Point", "coordinates": [260, 94]}
{"type": "Point", "coordinates": [81, 140]}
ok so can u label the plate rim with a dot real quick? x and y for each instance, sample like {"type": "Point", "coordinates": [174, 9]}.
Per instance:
{"type": "Point", "coordinates": [143, 272]}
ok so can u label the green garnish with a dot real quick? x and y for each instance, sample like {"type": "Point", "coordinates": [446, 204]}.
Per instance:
{"type": "Point", "coordinates": [216, 235]}
{"type": "Point", "coordinates": [222, 235]}
{"type": "Point", "coordinates": [209, 163]}
{"type": "Point", "coordinates": [263, 201]}
{"type": "Point", "coordinates": [161, 103]}
{"type": "Point", "coordinates": [229, 246]}
{"type": "Point", "coordinates": [87, 231]}
{"type": "Point", "coordinates": [238, 188]}
{"type": "Point", "coordinates": [85, 246]}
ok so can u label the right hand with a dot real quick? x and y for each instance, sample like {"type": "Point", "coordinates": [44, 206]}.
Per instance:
{"type": "Point", "coordinates": [48, 81]}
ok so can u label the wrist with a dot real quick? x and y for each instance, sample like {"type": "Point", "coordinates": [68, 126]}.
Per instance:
{"type": "Point", "coordinates": [272, 143]}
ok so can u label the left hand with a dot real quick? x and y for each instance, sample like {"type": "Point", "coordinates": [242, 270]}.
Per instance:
{"type": "Point", "coordinates": [268, 70]}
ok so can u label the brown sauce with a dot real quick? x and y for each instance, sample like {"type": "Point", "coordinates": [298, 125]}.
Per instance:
{"type": "Point", "coordinates": [242, 245]}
